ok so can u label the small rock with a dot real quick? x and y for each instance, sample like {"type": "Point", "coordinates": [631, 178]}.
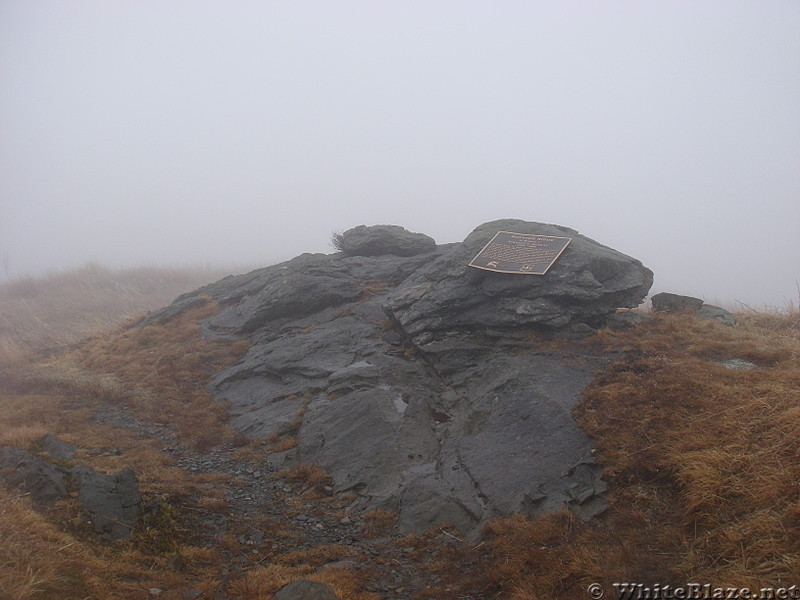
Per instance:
{"type": "Point", "coordinates": [379, 240]}
{"type": "Point", "coordinates": [303, 589]}
{"type": "Point", "coordinates": [667, 302]}
{"type": "Point", "coordinates": [709, 311]}
{"type": "Point", "coordinates": [112, 501]}
{"type": "Point", "coordinates": [154, 591]}
{"type": "Point", "coordinates": [626, 320]}
{"type": "Point", "coordinates": [737, 364]}
{"type": "Point", "coordinates": [58, 449]}
{"type": "Point", "coordinates": [45, 482]}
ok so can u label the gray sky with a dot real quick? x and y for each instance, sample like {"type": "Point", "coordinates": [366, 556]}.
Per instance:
{"type": "Point", "coordinates": [187, 132]}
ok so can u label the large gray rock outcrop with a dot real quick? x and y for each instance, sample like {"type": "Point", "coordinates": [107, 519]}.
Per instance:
{"type": "Point", "coordinates": [588, 282]}
{"type": "Point", "coordinates": [410, 380]}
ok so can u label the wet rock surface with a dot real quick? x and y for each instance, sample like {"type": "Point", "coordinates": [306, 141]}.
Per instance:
{"type": "Point", "coordinates": [418, 382]}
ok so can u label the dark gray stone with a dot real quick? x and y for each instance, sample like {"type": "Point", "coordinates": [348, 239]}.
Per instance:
{"type": "Point", "coordinates": [586, 490]}
{"type": "Point", "coordinates": [58, 449]}
{"type": "Point", "coordinates": [588, 282]}
{"type": "Point", "coordinates": [667, 302]}
{"type": "Point", "coordinates": [413, 380]}
{"type": "Point", "coordinates": [111, 501]}
{"type": "Point", "coordinates": [715, 313]}
{"type": "Point", "coordinates": [44, 481]}
{"type": "Point", "coordinates": [378, 240]}
{"type": "Point", "coordinates": [626, 320]}
{"type": "Point", "coordinates": [303, 589]}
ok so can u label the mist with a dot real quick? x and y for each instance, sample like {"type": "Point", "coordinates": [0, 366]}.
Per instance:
{"type": "Point", "coordinates": [244, 133]}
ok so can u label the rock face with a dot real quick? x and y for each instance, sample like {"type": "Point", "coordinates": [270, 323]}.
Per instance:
{"type": "Point", "coordinates": [416, 380]}
{"type": "Point", "coordinates": [588, 282]}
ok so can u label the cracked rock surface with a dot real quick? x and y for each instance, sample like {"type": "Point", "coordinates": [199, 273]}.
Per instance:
{"type": "Point", "coordinates": [416, 381]}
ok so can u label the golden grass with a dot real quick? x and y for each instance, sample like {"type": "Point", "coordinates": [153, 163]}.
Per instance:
{"type": "Point", "coordinates": [702, 463]}
{"type": "Point", "coordinates": [66, 307]}
{"type": "Point", "coordinates": [308, 475]}
{"type": "Point", "coordinates": [378, 522]}
{"type": "Point", "coordinates": [29, 543]}
{"type": "Point", "coordinates": [161, 372]}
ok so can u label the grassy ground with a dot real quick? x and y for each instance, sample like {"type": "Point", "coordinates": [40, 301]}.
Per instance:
{"type": "Point", "coordinates": [67, 307]}
{"type": "Point", "coordinates": [703, 462]}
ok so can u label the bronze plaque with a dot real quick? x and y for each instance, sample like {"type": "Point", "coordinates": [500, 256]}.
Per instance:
{"type": "Point", "coordinates": [526, 253]}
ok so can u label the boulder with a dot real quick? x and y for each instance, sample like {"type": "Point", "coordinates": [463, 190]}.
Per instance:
{"type": "Point", "coordinates": [715, 313]}
{"type": "Point", "coordinates": [111, 501]}
{"type": "Point", "coordinates": [588, 282]}
{"type": "Point", "coordinates": [379, 240]}
{"type": "Point", "coordinates": [303, 589]}
{"type": "Point", "coordinates": [668, 302]}
{"type": "Point", "coordinates": [44, 481]}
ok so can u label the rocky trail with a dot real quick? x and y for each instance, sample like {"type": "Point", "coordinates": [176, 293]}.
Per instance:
{"type": "Point", "coordinates": [306, 516]}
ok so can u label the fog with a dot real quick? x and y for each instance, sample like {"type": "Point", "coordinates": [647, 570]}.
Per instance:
{"type": "Point", "coordinates": [243, 133]}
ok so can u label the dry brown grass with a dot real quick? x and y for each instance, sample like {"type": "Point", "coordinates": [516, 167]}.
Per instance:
{"type": "Point", "coordinates": [262, 583]}
{"type": "Point", "coordinates": [64, 308]}
{"type": "Point", "coordinates": [306, 475]}
{"type": "Point", "coordinates": [62, 392]}
{"type": "Point", "coordinates": [378, 522]}
{"type": "Point", "coordinates": [162, 371]}
{"type": "Point", "coordinates": [702, 463]}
